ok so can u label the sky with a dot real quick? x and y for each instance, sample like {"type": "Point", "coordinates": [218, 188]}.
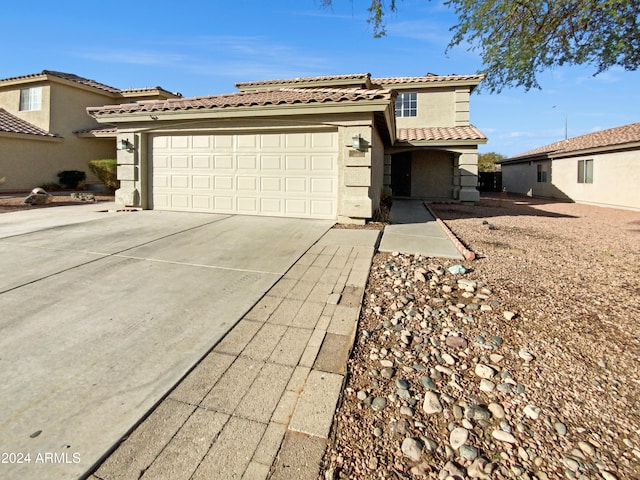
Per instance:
{"type": "Point", "coordinates": [203, 47]}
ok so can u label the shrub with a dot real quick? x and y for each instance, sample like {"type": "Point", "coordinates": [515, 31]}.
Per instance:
{"type": "Point", "coordinates": [71, 178]}
{"type": "Point", "coordinates": [107, 172]}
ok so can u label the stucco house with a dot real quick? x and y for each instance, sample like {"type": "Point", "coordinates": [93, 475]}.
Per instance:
{"type": "Point", "coordinates": [44, 126]}
{"type": "Point", "coordinates": [319, 147]}
{"type": "Point", "coordinates": [600, 168]}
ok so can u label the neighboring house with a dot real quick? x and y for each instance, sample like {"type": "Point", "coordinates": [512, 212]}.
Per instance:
{"type": "Point", "coordinates": [601, 168]}
{"type": "Point", "coordinates": [321, 147]}
{"type": "Point", "coordinates": [44, 126]}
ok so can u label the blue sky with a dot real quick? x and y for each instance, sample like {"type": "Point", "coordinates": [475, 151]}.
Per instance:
{"type": "Point", "coordinates": [202, 47]}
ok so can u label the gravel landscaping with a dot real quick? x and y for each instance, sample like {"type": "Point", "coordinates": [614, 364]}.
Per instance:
{"type": "Point", "coordinates": [15, 202]}
{"type": "Point", "coordinates": [525, 366]}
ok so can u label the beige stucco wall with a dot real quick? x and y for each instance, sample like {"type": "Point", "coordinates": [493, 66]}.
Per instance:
{"type": "Point", "coordinates": [10, 101]}
{"type": "Point", "coordinates": [432, 175]}
{"type": "Point", "coordinates": [522, 178]}
{"type": "Point", "coordinates": [439, 107]}
{"type": "Point", "coordinates": [616, 178]}
{"type": "Point", "coordinates": [28, 161]}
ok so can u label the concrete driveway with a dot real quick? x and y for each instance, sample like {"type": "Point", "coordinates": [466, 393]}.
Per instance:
{"type": "Point", "coordinates": [102, 313]}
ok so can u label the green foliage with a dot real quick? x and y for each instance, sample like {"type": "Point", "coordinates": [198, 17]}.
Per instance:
{"type": "Point", "coordinates": [107, 172]}
{"type": "Point", "coordinates": [71, 178]}
{"type": "Point", "coordinates": [487, 161]}
{"type": "Point", "coordinates": [518, 39]}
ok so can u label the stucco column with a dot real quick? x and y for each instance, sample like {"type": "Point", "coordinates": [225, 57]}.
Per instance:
{"type": "Point", "coordinates": [354, 204]}
{"type": "Point", "coordinates": [468, 171]}
{"type": "Point", "coordinates": [128, 194]}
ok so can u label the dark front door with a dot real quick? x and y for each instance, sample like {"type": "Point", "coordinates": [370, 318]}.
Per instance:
{"type": "Point", "coordinates": [401, 175]}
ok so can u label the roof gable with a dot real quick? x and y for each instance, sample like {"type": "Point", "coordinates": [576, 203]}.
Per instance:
{"type": "Point", "coordinates": [603, 139]}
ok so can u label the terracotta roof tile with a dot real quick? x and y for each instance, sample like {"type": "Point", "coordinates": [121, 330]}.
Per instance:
{"type": "Point", "coordinates": [360, 77]}
{"type": "Point", "coordinates": [602, 139]}
{"type": "Point", "coordinates": [439, 133]}
{"type": "Point", "coordinates": [105, 129]}
{"type": "Point", "coordinates": [66, 76]}
{"type": "Point", "coordinates": [261, 98]}
{"type": "Point", "coordinates": [11, 124]}
{"type": "Point", "coordinates": [426, 79]}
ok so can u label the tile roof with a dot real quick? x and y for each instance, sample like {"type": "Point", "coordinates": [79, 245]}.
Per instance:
{"type": "Point", "coordinates": [260, 98]}
{"type": "Point", "coordinates": [11, 124]}
{"type": "Point", "coordinates": [99, 130]}
{"type": "Point", "coordinates": [430, 78]}
{"type": "Point", "coordinates": [604, 138]}
{"type": "Point", "coordinates": [360, 77]}
{"type": "Point", "coordinates": [439, 133]}
{"type": "Point", "coordinates": [66, 76]}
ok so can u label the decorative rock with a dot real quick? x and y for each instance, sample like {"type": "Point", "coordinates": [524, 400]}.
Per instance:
{"type": "Point", "coordinates": [451, 470]}
{"type": "Point", "coordinates": [560, 428]}
{"type": "Point", "coordinates": [532, 412]}
{"type": "Point", "coordinates": [402, 384]}
{"type": "Point", "coordinates": [508, 315]}
{"type": "Point", "coordinates": [487, 385]}
{"type": "Point", "coordinates": [458, 437]}
{"type": "Point", "coordinates": [476, 412]}
{"type": "Point", "coordinates": [379, 403]}
{"type": "Point", "coordinates": [587, 448]}
{"type": "Point", "coordinates": [524, 354]}
{"type": "Point", "coordinates": [484, 371]}
{"type": "Point", "coordinates": [428, 383]}
{"type": "Point", "coordinates": [457, 270]}
{"type": "Point", "coordinates": [431, 403]}
{"type": "Point", "coordinates": [496, 410]}
{"type": "Point", "coordinates": [412, 448]}
{"type": "Point", "coordinates": [406, 411]}
{"type": "Point", "coordinates": [386, 363]}
{"type": "Point", "coordinates": [448, 359]}
{"type": "Point", "coordinates": [468, 452]}
{"type": "Point", "coordinates": [476, 469]}
{"type": "Point", "coordinates": [503, 436]}
{"type": "Point", "coordinates": [456, 342]}
{"type": "Point", "coordinates": [388, 372]}
{"type": "Point", "coordinates": [361, 395]}
{"type": "Point", "coordinates": [377, 432]}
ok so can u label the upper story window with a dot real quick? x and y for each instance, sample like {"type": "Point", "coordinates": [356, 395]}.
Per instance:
{"type": "Point", "coordinates": [30, 99]}
{"type": "Point", "coordinates": [407, 105]}
{"type": "Point", "coordinates": [585, 171]}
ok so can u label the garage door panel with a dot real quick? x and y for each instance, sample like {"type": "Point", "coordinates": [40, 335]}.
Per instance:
{"type": "Point", "coordinates": [201, 182]}
{"type": "Point", "coordinates": [223, 162]}
{"type": "Point", "coordinates": [279, 174]}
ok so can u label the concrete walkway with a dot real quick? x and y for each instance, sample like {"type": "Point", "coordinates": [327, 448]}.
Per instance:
{"type": "Point", "coordinates": [261, 403]}
{"type": "Point", "coordinates": [414, 230]}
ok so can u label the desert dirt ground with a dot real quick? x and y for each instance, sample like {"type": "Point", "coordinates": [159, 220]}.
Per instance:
{"type": "Point", "coordinates": [526, 366]}
{"type": "Point", "coordinates": [15, 202]}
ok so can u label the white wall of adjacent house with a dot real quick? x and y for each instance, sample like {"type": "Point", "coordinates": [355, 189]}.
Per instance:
{"type": "Point", "coordinates": [614, 182]}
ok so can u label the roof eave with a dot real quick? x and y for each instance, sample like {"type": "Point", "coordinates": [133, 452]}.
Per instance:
{"type": "Point", "coordinates": [31, 136]}
{"type": "Point", "coordinates": [378, 105]}
{"type": "Point", "coordinates": [441, 143]}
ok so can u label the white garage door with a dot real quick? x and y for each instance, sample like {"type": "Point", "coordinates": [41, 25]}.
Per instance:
{"type": "Point", "coordinates": [278, 174]}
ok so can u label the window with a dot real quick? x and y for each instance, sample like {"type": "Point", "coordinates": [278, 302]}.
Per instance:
{"type": "Point", "coordinates": [585, 171]}
{"type": "Point", "coordinates": [407, 105]}
{"type": "Point", "coordinates": [30, 99]}
{"type": "Point", "coordinates": [542, 173]}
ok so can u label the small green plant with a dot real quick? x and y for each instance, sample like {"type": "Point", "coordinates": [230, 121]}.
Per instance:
{"type": "Point", "coordinates": [107, 172]}
{"type": "Point", "coordinates": [71, 178]}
